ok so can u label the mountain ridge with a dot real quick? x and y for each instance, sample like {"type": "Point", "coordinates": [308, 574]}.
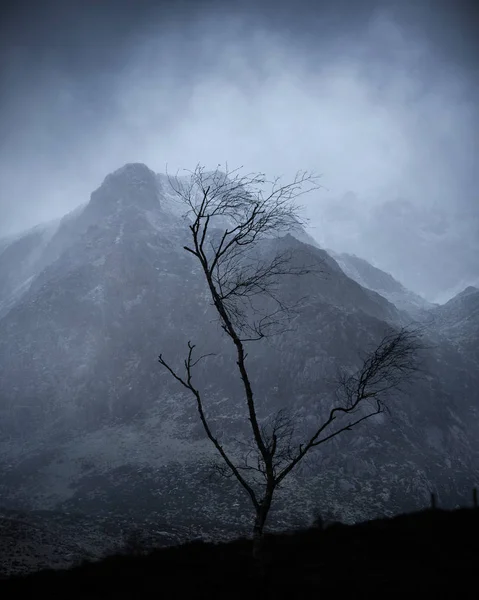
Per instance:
{"type": "Point", "coordinates": [385, 284]}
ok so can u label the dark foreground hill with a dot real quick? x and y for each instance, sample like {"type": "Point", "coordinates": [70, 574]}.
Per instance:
{"type": "Point", "coordinates": [427, 554]}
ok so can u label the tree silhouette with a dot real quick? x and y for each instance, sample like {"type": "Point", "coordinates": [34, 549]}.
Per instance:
{"type": "Point", "coordinates": [230, 214]}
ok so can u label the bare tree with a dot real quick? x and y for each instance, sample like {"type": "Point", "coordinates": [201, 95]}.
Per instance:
{"type": "Point", "coordinates": [230, 214]}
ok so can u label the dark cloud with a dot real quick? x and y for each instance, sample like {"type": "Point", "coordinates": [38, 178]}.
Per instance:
{"type": "Point", "coordinates": [380, 97]}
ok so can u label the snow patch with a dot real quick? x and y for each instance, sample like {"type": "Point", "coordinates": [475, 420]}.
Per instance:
{"type": "Point", "coordinates": [96, 295]}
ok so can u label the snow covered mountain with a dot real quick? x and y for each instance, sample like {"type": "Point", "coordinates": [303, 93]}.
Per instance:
{"type": "Point", "coordinates": [90, 424]}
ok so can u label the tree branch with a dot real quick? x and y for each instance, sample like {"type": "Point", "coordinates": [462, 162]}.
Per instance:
{"type": "Point", "coordinates": [188, 383]}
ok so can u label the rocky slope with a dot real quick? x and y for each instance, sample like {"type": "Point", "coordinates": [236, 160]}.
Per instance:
{"type": "Point", "coordinates": [90, 424]}
{"type": "Point", "coordinates": [375, 279]}
{"type": "Point", "coordinates": [458, 320]}
{"type": "Point", "coordinates": [20, 260]}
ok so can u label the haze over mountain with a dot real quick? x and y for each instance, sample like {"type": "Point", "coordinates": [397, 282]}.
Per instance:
{"type": "Point", "coordinates": [383, 283]}
{"type": "Point", "coordinates": [91, 425]}
{"type": "Point", "coordinates": [379, 96]}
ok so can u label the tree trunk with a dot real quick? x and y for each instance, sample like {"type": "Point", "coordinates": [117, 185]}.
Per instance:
{"type": "Point", "coordinates": [261, 557]}
{"type": "Point", "coordinates": [258, 532]}
{"type": "Point", "coordinates": [260, 520]}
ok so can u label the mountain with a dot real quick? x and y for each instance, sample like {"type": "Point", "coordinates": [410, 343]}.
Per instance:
{"type": "Point", "coordinates": [20, 259]}
{"type": "Point", "coordinates": [91, 425]}
{"type": "Point", "coordinates": [458, 320]}
{"type": "Point", "coordinates": [375, 279]}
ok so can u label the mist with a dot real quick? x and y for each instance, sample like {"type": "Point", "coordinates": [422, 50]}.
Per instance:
{"type": "Point", "coordinates": [367, 100]}
{"type": "Point", "coordinates": [169, 378]}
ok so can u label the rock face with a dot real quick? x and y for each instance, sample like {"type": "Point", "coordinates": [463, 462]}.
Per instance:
{"type": "Point", "coordinates": [91, 424]}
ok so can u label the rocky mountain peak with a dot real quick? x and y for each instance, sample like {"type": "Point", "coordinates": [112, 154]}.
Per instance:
{"type": "Point", "coordinates": [134, 184]}
{"type": "Point", "coordinates": [131, 173]}
{"type": "Point", "coordinates": [463, 300]}
{"type": "Point", "coordinates": [468, 291]}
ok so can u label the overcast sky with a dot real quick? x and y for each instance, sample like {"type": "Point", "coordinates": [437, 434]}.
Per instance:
{"type": "Point", "coordinates": [381, 98]}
